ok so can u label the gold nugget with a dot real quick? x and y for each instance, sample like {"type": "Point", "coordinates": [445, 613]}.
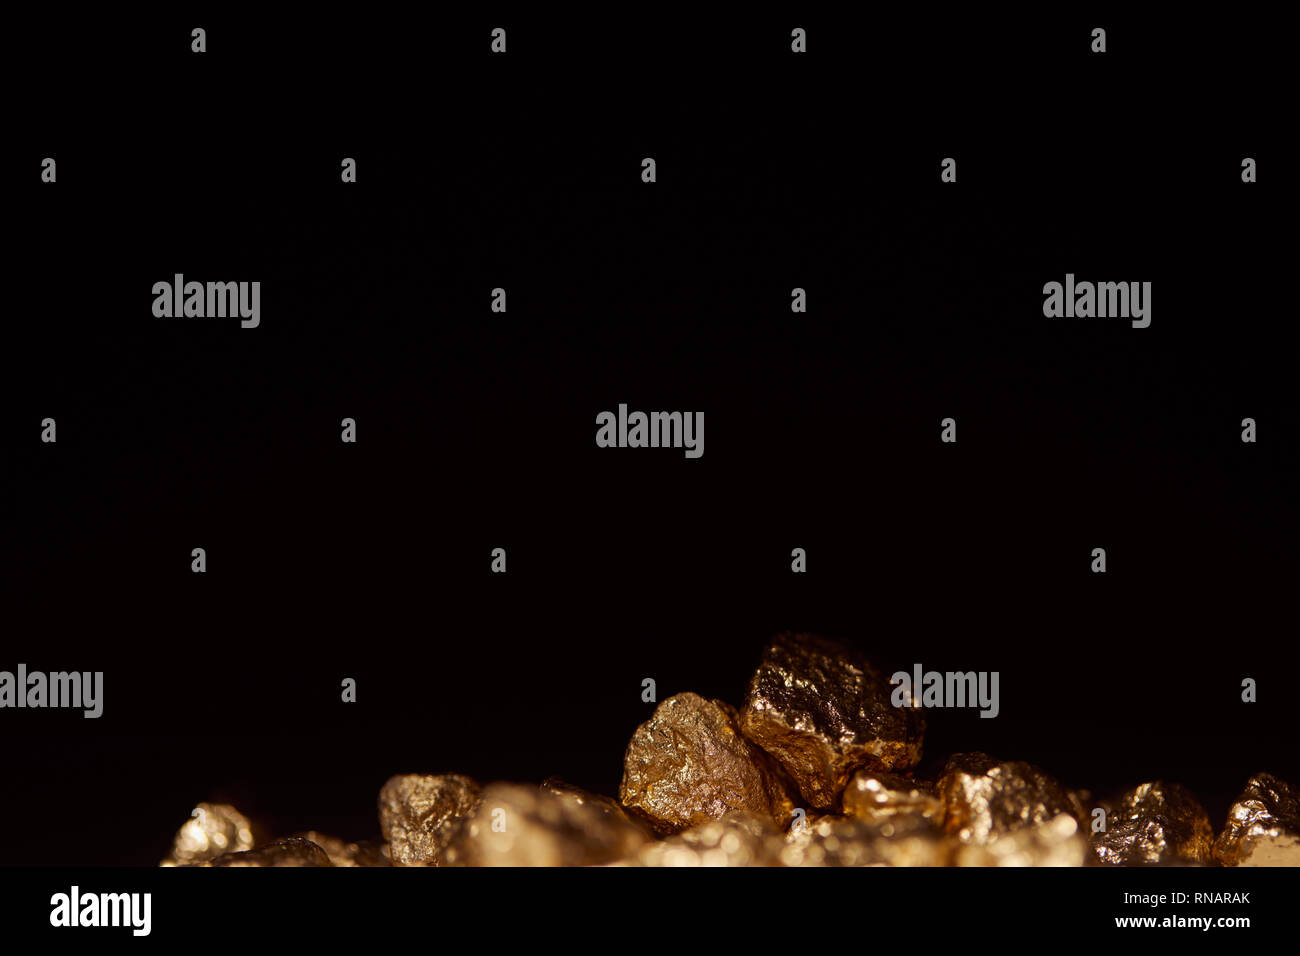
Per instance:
{"type": "Point", "coordinates": [294, 851]}
{"type": "Point", "coordinates": [822, 710]}
{"type": "Point", "coordinates": [1155, 823]}
{"type": "Point", "coordinates": [1057, 842]}
{"type": "Point", "coordinates": [1263, 827]}
{"type": "Point", "coordinates": [873, 796]}
{"type": "Point", "coordinates": [906, 839]}
{"type": "Point", "coordinates": [418, 811]}
{"type": "Point", "coordinates": [689, 764]}
{"type": "Point", "coordinates": [211, 830]}
{"type": "Point", "coordinates": [738, 839]}
{"type": "Point", "coordinates": [520, 825]}
{"type": "Point", "coordinates": [342, 853]}
{"type": "Point", "coordinates": [985, 799]}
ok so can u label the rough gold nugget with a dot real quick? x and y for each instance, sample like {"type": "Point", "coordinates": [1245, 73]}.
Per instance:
{"type": "Point", "coordinates": [985, 799]}
{"type": "Point", "coordinates": [1155, 823]}
{"type": "Point", "coordinates": [1263, 827]}
{"type": "Point", "coordinates": [689, 764]}
{"type": "Point", "coordinates": [521, 825]}
{"type": "Point", "coordinates": [822, 710]}
{"type": "Point", "coordinates": [418, 811]}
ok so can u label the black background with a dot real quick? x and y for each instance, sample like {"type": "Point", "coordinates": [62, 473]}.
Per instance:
{"type": "Point", "coordinates": [476, 430]}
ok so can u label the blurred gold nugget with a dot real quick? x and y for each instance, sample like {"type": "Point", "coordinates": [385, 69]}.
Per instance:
{"type": "Point", "coordinates": [737, 839]}
{"type": "Point", "coordinates": [823, 711]}
{"type": "Point", "coordinates": [873, 796]}
{"type": "Point", "coordinates": [608, 807]}
{"type": "Point", "coordinates": [908, 839]}
{"type": "Point", "coordinates": [1263, 827]}
{"type": "Point", "coordinates": [343, 853]}
{"type": "Point", "coordinates": [1056, 842]}
{"type": "Point", "coordinates": [522, 825]}
{"type": "Point", "coordinates": [211, 830]}
{"type": "Point", "coordinates": [1156, 823]}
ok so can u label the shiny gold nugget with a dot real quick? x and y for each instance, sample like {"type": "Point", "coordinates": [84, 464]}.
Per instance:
{"type": "Point", "coordinates": [1263, 827]}
{"type": "Point", "coordinates": [873, 796]}
{"type": "Point", "coordinates": [821, 709]}
{"type": "Point", "coordinates": [417, 813]}
{"type": "Point", "coordinates": [1155, 823]}
{"type": "Point", "coordinates": [211, 830]}
{"type": "Point", "coordinates": [689, 764]}
{"type": "Point", "coordinates": [984, 799]}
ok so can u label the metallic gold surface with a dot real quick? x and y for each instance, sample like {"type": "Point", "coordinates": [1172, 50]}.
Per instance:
{"type": "Point", "coordinates": [211, 830]}
{"type": "Point", "coordinates": [417, 813]}
{"type": "Point", "coordinates": [984, 799]}
{"type": "Point", "coordinates": [689, 764]}
{"type": "Point", "coordinates": [1263, 827]}
{"type": "Point", "coordinates": [1155, 823]}
{"type": "Point", "coordinates": [738, 839]}
{"type": "Point", "coordinates": [874, 796]}
{"type": "Point", "coordinates": [293, 851]}
{"type": "Point", "coordinates": [823, 711]}
{"type": "Point", "coordinates": [521, 825]}
{"type": "Point", "coordinates": [904, 839]}
{"type": "Point", "coordinates": [1056, 842]}
{"type": "Point", "coordinates": [342, 853]}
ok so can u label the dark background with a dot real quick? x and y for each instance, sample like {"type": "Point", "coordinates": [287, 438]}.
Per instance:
{"type": "Point", "coordinates": [476, 430]}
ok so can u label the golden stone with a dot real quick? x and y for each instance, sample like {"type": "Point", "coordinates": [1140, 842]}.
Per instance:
{"type": "Point", "coordinates": [1263, 827]}
{"type": "Point", "coordinates": [608, 807]}
{"type": "Point", "coordinates": [1056, 842]}
{"type": "Point", "coordinates": [689, 764]}
{"type": "Point", "coordinates": [823, 711]}
{"type": "Point", "coordinates": [417, 813]}
{"type": "Point", "coordinates": [211, 830]}
{"type": "Point", "coordinates": [521, 825]}
{"type": "Point", "coordinates": [984, 799]}
{"type": "Point", "coordinates": [1152, 824]}
{"type": "Point", "coordinates": [737, 839]}
{"type": "Point", "coordinates": [874, 796]}
{"type": "Point", "coordinates": [293, 851]}
{"type": "Point", "coordinates": [343, 853]}
{"type": "Point", "coordinates": [904, 839]}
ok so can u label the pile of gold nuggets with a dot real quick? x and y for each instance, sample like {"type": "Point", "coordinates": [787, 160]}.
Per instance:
{"type": "Point", "coordinates": [816, 769]}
